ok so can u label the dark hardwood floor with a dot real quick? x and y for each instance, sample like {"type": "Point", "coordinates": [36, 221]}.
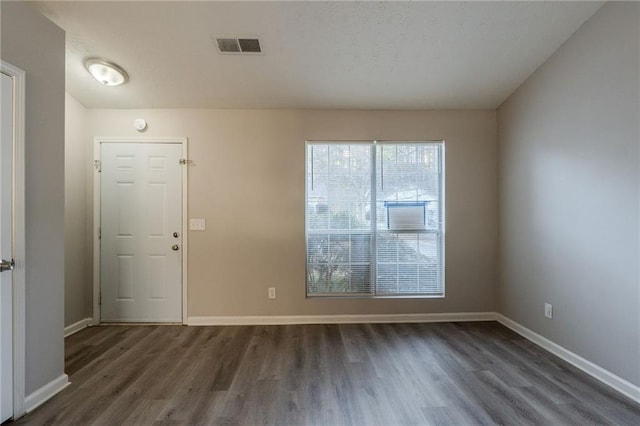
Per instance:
{"type": "Point", "coordinates": [361, 374]}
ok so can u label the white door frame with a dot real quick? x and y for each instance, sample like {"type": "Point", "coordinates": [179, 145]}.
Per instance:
{"type": "Point", "coordinates": [97, 141]}
{"type": "Point", "coordinates": [19, 280]}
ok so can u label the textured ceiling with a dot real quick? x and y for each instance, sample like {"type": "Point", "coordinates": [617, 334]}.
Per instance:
{"type": "Point", "coordinates": [368, 55]}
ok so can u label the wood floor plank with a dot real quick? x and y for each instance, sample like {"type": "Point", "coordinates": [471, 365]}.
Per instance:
{"type": "Point", "coordinates": [115, 380]}
{"type": "Point", "coordinates": [143, 413]}
{"type": "Point", "coordinates": [548, 411]}
{"type": "Point", "coordinates": [152, 376]}
{"type": "Point", "coordinates": [198, 379]}
{"type": "Point", "coordinates": [352, 374]}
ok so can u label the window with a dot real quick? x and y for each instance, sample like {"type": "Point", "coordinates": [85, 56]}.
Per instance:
{"type": "Point", "coordinates": [374, 218]}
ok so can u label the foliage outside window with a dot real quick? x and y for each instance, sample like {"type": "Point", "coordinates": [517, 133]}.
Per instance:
{"type": "Point", "coordinates": [352, 246]}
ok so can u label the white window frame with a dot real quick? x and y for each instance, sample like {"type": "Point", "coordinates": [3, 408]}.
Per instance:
{"type": "Point", "coordinates": [440, 231]}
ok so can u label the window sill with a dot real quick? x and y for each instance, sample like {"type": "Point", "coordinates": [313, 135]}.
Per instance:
{"type": "Point", "coordinates": [370, 296]}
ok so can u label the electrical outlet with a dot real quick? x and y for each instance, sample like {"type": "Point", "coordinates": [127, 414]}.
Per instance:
{"type": "Point", "coordinates": [272, 292]}
{"type": "Point", "coordinates": [548, 310]}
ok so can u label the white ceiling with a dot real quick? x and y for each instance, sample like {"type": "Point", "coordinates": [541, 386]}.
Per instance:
{"type": "Point", "coordinates": [361, 55]}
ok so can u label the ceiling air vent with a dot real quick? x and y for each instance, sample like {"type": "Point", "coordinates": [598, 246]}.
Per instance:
{"type": "Point", "coordinates": [249, 45]}
{"type": "Point", "coordinates": [228, 44]}
{"type": "Point", "coordinates": [239, 45]}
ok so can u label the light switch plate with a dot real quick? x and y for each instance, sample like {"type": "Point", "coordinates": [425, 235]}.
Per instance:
{"type": "Point", "coordinates": [196, 224]}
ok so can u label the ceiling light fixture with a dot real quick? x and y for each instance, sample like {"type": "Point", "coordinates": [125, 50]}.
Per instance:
{"type": "Point", "coordinates": [106, 72]}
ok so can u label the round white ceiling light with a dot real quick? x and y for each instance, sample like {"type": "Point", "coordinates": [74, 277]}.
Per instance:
{"type": "Point", "coordinates": [106, 72]}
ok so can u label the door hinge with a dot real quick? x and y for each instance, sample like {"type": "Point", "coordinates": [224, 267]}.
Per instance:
{"type": "Point", "coordinates": [98, 165]}
{"type": "Point", "coordinates": [100, 233]}
{"type": "Point", "coordinates": [184, 161]}
{"type": "Point", "coordinates": [7, 265]}
{"type": "Point", "coordinates": [100, 298]}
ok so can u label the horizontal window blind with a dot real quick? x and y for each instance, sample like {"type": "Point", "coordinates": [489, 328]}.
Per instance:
{"type": "Point", "coordinates": [409, 261]}
{"type": "Point", "coordinates": [374, 219]}
{"type": "Point", "coordinates": [338, 230]}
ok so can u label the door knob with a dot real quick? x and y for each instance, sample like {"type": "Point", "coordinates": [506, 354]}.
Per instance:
{"type": "Point", "coordinates": [175, 247]}
{"type": "Point", "coordinates": [6, 265]}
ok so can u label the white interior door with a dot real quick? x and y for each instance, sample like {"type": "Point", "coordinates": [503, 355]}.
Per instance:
{"type": "Point", "coordinates": [6, 227]}
{"type": "Point", "coordinates": [141, 225]}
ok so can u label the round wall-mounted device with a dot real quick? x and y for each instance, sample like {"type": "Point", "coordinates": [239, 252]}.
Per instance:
{"type": "Point", "coordinates": [140, 124]}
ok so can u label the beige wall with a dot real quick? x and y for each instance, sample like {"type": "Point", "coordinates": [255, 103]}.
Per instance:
{"type": "Point", "coordinates": [34, 44]}
{"type": "Point", "coordinates": [247, 181]}
{"type": "Point", "coordinates": [569, 194]}
{"type": "Point", "coordinates": [77, 289]}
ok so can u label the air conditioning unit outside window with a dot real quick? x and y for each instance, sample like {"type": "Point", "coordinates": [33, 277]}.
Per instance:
{"type": "Point", "coordinates": [406, 215]}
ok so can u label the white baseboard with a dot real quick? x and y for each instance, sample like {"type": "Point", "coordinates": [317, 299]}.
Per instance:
{"type": "Point", "coordinates": [75, 327]}
{"type": "Point", "coordinates": [603, 375]}
{"type": "Point", "coordinates": [42, 395]}
{"type": "Point", "coordinates": [341, 319]}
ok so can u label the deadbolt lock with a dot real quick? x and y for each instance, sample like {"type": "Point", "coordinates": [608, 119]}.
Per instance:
{"type": "Point", "coordinates": [176, 235]}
